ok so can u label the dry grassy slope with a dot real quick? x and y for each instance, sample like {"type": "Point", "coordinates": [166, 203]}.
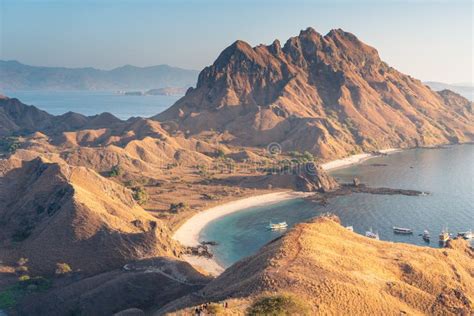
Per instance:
{"type": "Point", "coordinates": [342, 273]}
{"type": "Point", "coordinates": [327, 94]}
{"type": "Point", "coordinates": [61, 213]}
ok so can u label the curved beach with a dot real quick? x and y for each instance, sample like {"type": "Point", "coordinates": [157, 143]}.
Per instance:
{"type": "Point", "coordinates": [188, 233]}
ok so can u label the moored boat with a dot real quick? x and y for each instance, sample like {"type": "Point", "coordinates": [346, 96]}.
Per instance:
{"type": "Point", "coordinates": [426, 236]}
{"type": "Point", "coordinates": [372, 235]}
{"type": "Point", "coordinates": [401, 230]}
{"type": "Point", "coordinates": [277, 226]}
{"type": "Point", "coordinates": [444, 236]}
{"type": "Point", "coordinates": [351, 228]}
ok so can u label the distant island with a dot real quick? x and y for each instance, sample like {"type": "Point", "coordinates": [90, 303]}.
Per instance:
{"type": "Point", "coordinates": [157, 91]}
{"type": "Point", "coordinates": [463, 89]}
{"type": "Point", "coordinates": [17, 76]}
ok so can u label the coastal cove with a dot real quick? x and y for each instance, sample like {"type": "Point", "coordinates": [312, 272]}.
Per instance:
{"type": "Point", "coordinates": [446, 173]}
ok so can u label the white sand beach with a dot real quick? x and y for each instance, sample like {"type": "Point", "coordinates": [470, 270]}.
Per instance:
{"type": "Point", "coordinates": [354, 159]}
{"type": "Point", "coordinates": [188, 233]}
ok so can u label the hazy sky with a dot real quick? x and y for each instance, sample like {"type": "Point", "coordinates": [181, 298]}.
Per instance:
{"type": "Point", "coordinates": [431, 40]}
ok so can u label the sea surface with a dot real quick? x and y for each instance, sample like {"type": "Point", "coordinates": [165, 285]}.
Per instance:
{"type": "Point", "coordinates": [94, 102]}
{"type": "Point", "coordinates": [447, 174]}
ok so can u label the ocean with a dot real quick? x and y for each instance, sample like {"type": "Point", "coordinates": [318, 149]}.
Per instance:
{"type": "Point", "coordinates": [447, 174]}
{"type": "Point", "coordinates": [95, 102]}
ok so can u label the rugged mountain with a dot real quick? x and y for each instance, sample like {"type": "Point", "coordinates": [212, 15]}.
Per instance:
{"type": "Point", "coordinates": [17, 76]}
{"type": "Point", "coordinates": [338, 272]}
{"type": "Point", "coordinates": [54, 212]}
{"type": "Point", "coordinates": [330, 95]}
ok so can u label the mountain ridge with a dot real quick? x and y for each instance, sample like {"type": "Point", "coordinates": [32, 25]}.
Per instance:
{"type": "Point", "coordinates": [330, 95]}
{"type": "Point", "coordinates": [17, 76]}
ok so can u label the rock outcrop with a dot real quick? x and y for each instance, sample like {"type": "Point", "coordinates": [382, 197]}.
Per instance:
{"type": "Point", "coordinates": [312, 178]}
{"type": "Point", "coordinates": [329, 95]}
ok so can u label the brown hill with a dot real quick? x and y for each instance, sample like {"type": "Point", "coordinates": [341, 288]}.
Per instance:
{"type": "Point", "coordinates": [53, 212]}
{"type": "Point", "coordinates": [330, 95]}
{"type": "Point", "coordinates": [339, 272]}
{"type": "Point", "coordinates": [22, 119]}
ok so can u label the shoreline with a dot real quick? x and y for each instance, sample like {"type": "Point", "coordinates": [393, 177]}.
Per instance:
{"type": "Point", "coordinates": [356, 159]}
{"type": "Point", "coordinates": [188, 233]}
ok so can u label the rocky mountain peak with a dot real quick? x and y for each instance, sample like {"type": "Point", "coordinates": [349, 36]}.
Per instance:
{"type": "Point", "coordinates": [326, 94]}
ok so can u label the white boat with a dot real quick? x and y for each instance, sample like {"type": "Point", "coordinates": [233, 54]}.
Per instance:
{"type": "Point", "coordinates": [277, 226]}
{"type": "Point", "coordinates": [350, 228]}
{"type": "Point", "coordinates": [426, 235]}
{"type": "Point", "coordinates": [401, 230]}
{"type": "Point", "coordinates": [466, 235]}
{"type": "Point", "coordinates": [371, 234]}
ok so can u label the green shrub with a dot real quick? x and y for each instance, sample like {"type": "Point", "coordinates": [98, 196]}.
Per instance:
{"type": "Point", "coordinates": [7, 299]}
{"type": "Point", "coordinates": [10, 296]}
{"type": "Point", "coordinates": [9, 144]}
{"type": "Point", "coordinates": [22, 233]}
{"type": "Point", "coordinates": [177, 207]}
{"type": "Point", "coordinates": [140, 195]}
{"type": "Point", "coordinates": [279, 304]}
{"type": "Point", "coordinates": [22, 261]}
{"type": "Point", "coordinates": [220, 153]}
{"type": "Point", "coordinates": [116, 171]}
{"type": "Point", "coordinates": [24, 278]}
{"type": "Point", "coordinates": [62, 269]}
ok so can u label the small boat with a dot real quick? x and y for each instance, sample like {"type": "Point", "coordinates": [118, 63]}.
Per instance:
{"type": "Point", "coordinates": [466, 235]}
{"type": "Point", "coordinates": [350, 228]}
{"type": "Point", "coordinates": [426, 236]}
{"type": "Point", "coordinates": [401, 230]}
{"type": "Point", "coordinates": [277, 226]}
{"type": "Point", "coordinates": [444, 236]}
{"type": "Point", "coordinates": [371, 234]}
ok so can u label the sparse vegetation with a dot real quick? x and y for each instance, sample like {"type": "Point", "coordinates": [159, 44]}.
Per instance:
{"type": "Point", "coordinates": [140, 195]}
{"type": "Point", "coordinates": [23, 232]}
{"type": "Point", "coordinates": [24, 278]}
{"type": "Point", "coordinates": [178, 207]}
{"type": "Point", "coordinates": [220, 153]}
{"type": "Point", "coordinates": [301, 157]}
{"type": "Point", "coordinates": [62, 269]}
{"type": "Point", "coordinates": [22, 261]}
{"type": "Point", "coordinates": [10, 296]}
{"type": "Point", "coordinates": [116, 171]}
{"type": "Point", "coordinates": [280, 304]}
{"type": "Point", "coordinates": [209, 196]}
{"type": "Point", "coordinates": [9, 144]}
{"type": "Point", "coordinates": [215, 309]}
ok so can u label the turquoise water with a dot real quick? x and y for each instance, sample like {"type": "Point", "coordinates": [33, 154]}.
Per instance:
{"type": "Point", "coordinates": [447, 174]}
{"type": "Point", "coordinates": [95, 102]}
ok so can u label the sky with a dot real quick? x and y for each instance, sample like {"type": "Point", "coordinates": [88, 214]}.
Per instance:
{"type": "Point", "coordinates": [430, 40]}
